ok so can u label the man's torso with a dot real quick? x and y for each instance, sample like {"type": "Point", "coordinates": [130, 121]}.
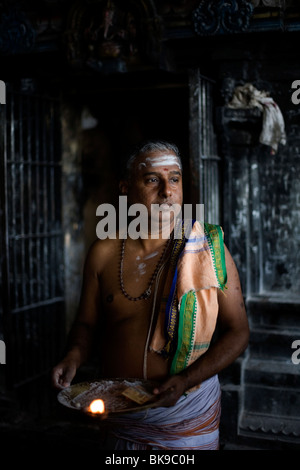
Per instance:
{"type": "Point", "coordinates": [126, 322]}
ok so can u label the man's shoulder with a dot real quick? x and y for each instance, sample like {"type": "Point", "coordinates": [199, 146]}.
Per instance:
{"type": "Point", "coordinates": [102, 252]}
{"type": "Point", "coordinates": [105, 244]}
{"type": "Point", "coordinates": [196, 228]}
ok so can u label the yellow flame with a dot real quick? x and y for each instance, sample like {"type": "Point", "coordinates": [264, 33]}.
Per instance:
{"type": "Point", "coordinates": [97, 406]}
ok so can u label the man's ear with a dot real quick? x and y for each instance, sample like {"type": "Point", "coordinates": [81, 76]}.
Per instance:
{"type": "Point", "coordinates": [123, 187]}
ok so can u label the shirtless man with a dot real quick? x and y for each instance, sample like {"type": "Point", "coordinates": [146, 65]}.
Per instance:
{"type": "Point", "coordinates": [154, 177]}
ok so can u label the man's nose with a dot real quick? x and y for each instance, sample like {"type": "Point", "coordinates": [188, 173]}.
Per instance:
{"type": "Point", "coordinates": [165, 189]}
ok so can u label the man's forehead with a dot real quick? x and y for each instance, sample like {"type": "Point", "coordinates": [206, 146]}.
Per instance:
{"type": "Point", "coordinates": [157, 159]}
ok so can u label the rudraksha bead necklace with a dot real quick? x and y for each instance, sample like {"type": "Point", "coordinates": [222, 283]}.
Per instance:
{"type": "Point", "coordinates": [146, 294]}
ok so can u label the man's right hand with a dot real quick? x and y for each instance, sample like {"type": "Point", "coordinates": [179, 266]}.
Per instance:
{"type": "Point", "coordinates": [63, 373]}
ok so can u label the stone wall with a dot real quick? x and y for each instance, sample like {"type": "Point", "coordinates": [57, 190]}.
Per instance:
{"type": "Point", "coordinates": [261, 222]}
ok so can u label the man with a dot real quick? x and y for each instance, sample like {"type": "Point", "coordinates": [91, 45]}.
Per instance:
{"type": "Point", "coordinates": [158, 301]}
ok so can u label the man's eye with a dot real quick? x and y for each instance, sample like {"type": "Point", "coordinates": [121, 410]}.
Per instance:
{"type": "Point", "coordinates": [151, 180]}
{"type": "Point", "coordinates": [175, 180]}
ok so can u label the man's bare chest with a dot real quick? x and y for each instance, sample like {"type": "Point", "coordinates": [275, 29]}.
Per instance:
{"type": "Point", "coordinates": [122, 291]}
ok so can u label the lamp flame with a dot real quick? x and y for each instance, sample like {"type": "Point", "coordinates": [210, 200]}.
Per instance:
{"type": "Point", "coordinates": [97, 406]}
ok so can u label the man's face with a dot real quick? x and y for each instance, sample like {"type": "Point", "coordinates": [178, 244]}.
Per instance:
{"type": "Point", "coordinates": [156, 178]}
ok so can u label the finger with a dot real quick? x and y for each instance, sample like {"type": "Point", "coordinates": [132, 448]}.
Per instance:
{"type": "Point", "coordinates": [60, 378]}
{"type": "Point", "coordinates": [56, 373]}
{"type": "Point", "coordinates": [168, 398]}
{"type": "Point", "coordinates": [164, 387]}
{"type": "Point", "coordinates": [60, 386]}
{"type": "Point", "coordinates": [63, 383]}
{"type": "Point", "coordinates": [67, 377]}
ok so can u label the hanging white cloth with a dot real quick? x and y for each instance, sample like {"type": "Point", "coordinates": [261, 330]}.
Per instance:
{"type": "Point", "coordinates": [273, 128]}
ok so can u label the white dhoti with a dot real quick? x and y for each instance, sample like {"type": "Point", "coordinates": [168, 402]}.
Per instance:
{"type": "Point", "coordinates": [193, 423]}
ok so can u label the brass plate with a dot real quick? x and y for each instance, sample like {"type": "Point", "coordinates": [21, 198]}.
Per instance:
{"type": "Point", "coordinates": [79, 396]}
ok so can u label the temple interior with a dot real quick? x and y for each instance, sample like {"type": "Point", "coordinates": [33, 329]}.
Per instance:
{"type": "Point", "coordinates": [82, 82]}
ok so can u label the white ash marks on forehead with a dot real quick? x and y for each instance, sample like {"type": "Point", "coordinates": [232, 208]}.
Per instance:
{"type": "Point", "coordinates": [162, 160]}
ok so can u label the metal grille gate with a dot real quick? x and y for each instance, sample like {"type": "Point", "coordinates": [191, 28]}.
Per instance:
{"type": "Point", "coordinates": [31, 234]}
{"type": "Point", "coordinates": [205, 163]}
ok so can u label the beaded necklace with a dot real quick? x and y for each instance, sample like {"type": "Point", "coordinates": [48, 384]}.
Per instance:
{"type": "Point", "coordinates": [146, 294]}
